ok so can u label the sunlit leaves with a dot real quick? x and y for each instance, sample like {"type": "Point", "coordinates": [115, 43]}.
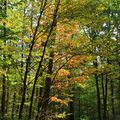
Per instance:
{"type": "Point", "coordinates": [55, 99]}
{"type": "Point", "coordinates": [77, 60]}
{"type": "Point", "coordinates": [80, 79]}
{"type": "Point", "coordinates": [63, 72]}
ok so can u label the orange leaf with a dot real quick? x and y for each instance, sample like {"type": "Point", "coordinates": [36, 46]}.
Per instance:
{"type": "Point", "coordinates": [63, 72]}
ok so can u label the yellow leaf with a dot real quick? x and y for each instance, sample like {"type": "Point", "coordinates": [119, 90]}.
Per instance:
{"type": "Point", "coordinates": [63, 72]}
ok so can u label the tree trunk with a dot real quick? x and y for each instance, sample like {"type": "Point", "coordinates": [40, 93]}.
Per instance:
{"type": "Point", "coordinates": [98, 97]}
{"type": "Point", "coordinates": [39, 102]}
{"type": "Point", "coordinates": [23, 98]}
{"type": "Point", "coordinates": [119, 88]}
{"type": "Point", "coordinates": [105, 100]}
{"type": "Point", "coordinates": [7, 97]}
{"type": "Point", "coordinates": [13, 105]}
{"type": "Point", "coordinates": [71, 105]}
{"type": "Point", "coordinates": [4, 78]}
{"type": "Point", "coordinates": [3, 98]}
{"type": "Point", "coordinates": [47, 88]}
{"type": "Point", "coordinates": [42, 57]}
{"type": "Point", "coordinates": [98, 92]}
{"type": "Point", "coordinates": [112, 99]}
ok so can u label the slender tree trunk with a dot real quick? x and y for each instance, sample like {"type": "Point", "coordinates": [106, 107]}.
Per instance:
{"type": "Point", "coordinates": [98, 92]}
{"type": "Point", "coordinates": [4, 78]}
{"type": "Point", "coordinates": [104, 92]}
{"type": "Point", "coordinates": [79, 109]}
{"type": "Point", "coordinates": [47, 88]}
{"type": "Point", "coordinates": [39, 102]}
{"type": "Point", "coordinates": [7, 96]}
{"type": "Point", "coordinates": [43, 53]}
{"type": "Point", "coordinates": [28, 65]}
{"type": "Point", "coordinates": [112, 99]}
{"type": "Point", "coordinates": [3, 98]}
{"type": "Point", "coordinates": [98, 97]}
{"type": "Point", "coordinates": [102, 83]}
{"type": "Point", "coordinates": [105, 100]}
{"type": "Point", "coordinates": [119, 88]}
{"type": "Point", "coordinates": [117, 25]}
{"type": "Point", "coordinates": [13, 105]}
{"type": "Point", "coordinates": [35, 103]}
{"type": "Point", "coordinates": [23, 98]}
{"type": "Point", "coordinates": [79, 115]}
{"type": "Point", "coordinates": [33, 90]}
{"type": "Point", "coordinates": [71, 108]}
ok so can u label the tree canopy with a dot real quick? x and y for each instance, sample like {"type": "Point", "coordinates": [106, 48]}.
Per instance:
{"type": "Point", "coordinates": [60, 59]}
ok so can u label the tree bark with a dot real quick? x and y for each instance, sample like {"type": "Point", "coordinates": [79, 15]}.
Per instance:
{"type": "Point", "coordinates": [39, 102]}
{"type": "Point", "coordinates": [3, 98]}
{"type": "Point", "coordinates": [112, 99]}
{"type": "Point", "coordinates": [47, 88]}
{"type": "Point", "coordinates": [71, 108]}
{"type": "Point", "coordinates": [7, 96]}
{"type": "Point", "coordinates": [98, 98]}
{"type": "Point", "coordinates": [98, 92]}
{"type": "Point", "coordinates": [4, 77]}
{"type": "Point", "coordinates": [105, 99]}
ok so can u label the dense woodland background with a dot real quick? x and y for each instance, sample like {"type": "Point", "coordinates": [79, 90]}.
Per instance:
{"type": "Point", "coordinates": [60, 59]}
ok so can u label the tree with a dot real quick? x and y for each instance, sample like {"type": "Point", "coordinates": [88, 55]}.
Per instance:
{"type": "Point", "coordinates": [59, 59]}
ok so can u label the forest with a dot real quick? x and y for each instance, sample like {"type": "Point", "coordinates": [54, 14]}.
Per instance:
{"type": "Point", "coordinates": [59, 59]}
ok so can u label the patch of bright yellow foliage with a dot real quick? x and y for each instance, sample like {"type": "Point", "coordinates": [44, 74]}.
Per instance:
{"type": "Point", "coordinates": [63, 72]}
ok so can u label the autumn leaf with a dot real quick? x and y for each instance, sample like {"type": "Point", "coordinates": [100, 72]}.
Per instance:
{"type": "Point", "coordinates": [63, 72]}
{"type": "Point", "coordinates": [55, 99]}
{"type": "Point", "coordinates": [79, 59]}
{"type": "Point", "coordinates": [80, 79]}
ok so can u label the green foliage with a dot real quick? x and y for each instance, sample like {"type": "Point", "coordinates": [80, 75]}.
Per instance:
{"type": "Point", "coordinates": [84, 38]}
